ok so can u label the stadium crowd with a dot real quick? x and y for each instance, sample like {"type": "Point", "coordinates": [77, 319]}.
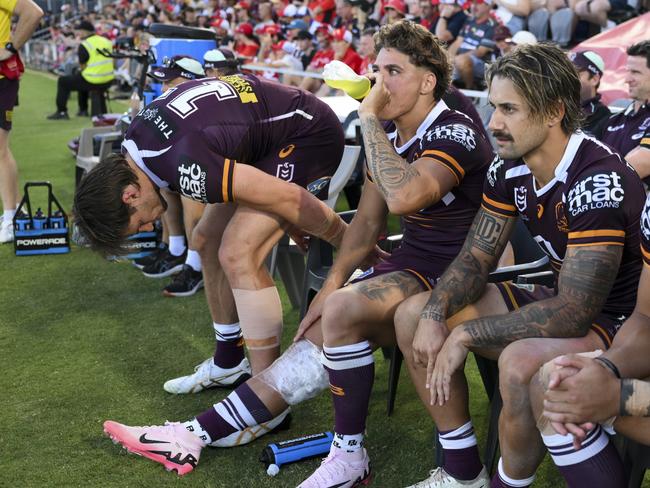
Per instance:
{"type": "Point", "coordinates": [558, 162]}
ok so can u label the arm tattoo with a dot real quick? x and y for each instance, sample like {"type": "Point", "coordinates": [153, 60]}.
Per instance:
{"type": "Point", "coordinates": [635, 398]}
{"type": "Point", "coordinates": [464, 281]}
{"type": "Point", "coordinates": [389, 171]}
{"type": "Point", "coordinates": [586, 278]}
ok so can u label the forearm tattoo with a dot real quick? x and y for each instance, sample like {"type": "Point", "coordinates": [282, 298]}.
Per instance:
{"type": "Point", "coordinates": [465, 279]}
{"type": "Point", "coordinates": [585, 281]}
{"type": "Point", "coordinates": [635, 398]}
{"type": "Point", "coordinates": [389, 171]}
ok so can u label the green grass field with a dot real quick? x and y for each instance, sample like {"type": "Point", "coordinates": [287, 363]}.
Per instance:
{"type": "Point", "coordinates": [83, 340]}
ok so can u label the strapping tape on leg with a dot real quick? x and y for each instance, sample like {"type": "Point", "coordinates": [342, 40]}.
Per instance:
{"type": "Point", "coordinates": [260, 317]}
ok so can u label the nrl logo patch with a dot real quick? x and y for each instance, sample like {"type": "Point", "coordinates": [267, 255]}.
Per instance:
{"type": "Point", "coordinates": [521, 198]}
{"type": "Point", "coordinates": [285, 171]}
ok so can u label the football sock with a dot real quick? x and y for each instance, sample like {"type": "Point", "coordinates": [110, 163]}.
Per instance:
{"type": "Point", "coordinates": [176, 245]}
{"type": "Point", "coordinates": [241, 409]}
{"type": "Point", "coordinates": [502, 480]}
{"type": "Point", "coordinates": [8, 214]}
{"type": "Point", "coordinates": [596, 464]}
{"type": "Point", "coordinates": [462, 460]}
{"type": "Point", "coordinates": [195, 428]}
{"type": "Point", "coordinates": [348, 443]}
{"type": "Point", "coordinates": [229, 351]}
{"type": "Point", "coordinates": [351, 372]}
{"type": "Point", "coordinates": [193, 260]}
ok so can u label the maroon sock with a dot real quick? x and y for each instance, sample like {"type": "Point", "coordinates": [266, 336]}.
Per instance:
{"type": "Point", "coordinates": [352, 372]}
{"type": "Point", "coordinates": [229, 350]}
{"type": "Point", "coordinates": [462, 460]}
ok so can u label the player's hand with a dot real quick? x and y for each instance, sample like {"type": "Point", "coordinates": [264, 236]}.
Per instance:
{"type": "Point", "coordinates": [571, 399]}
{"type": "Point", "coordinates": [4, 54]}
{"type": "Point", "coordinates": [429, 337]}
{"type": "Point", "coordinates": [315, 311]}
{"type": "Point", "coordinates": [377, 98]}
{"type": "Point", "coordinates": [450, 358]}
{"type": "Point", "coordinates": [374, 257]}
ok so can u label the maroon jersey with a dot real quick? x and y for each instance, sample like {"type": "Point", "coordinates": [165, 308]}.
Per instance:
{"type": "Point", "coordinates": [452, 140]}
{"type": "Point", "coordinates": [595, 198]}
{"type": "Point", "coordinates": [192, 137]}
{"type": "Point", "coordinates": [645, 232]}
{"type": "Point", "coordinates": [628, 129]}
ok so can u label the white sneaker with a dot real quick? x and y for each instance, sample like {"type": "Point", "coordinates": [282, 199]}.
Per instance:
{"type": "Point", "coordinates": [341, 469]}
{"type": "Point", "coordinates": [6, 231]}
{"type": "Point", "coordinates": [208, 375]}
{"type": "Point", "coordinates": [249, 434]}
{"type": "Point", "coordinates": [440, 478]}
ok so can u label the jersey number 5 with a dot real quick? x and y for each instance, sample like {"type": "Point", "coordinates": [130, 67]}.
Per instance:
{"type": "Point", "coordinates": [184, 104]}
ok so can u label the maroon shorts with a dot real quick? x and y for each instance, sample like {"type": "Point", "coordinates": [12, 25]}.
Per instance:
{"type": "Point", "coordinates": [306, 157]}
{"type": "Point", "coordinates": [425, 271]}
{"type": "Point", "coordinates": [8, 100]}
{"type": "Point", "coordinates": [516, 296]}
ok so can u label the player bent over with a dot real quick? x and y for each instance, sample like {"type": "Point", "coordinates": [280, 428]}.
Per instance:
{"type": "Point", "coordinates": [581, 202]}
{"type": "Point", "coordinates": [610, 389]}
{"type": "Point", "coordinates": [441, 158]}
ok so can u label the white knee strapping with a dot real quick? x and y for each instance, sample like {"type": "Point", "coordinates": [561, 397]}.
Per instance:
{"type": "Point", "coordinates": [260, 317]}
{"type": "Point", "coordinates": [298, 374]}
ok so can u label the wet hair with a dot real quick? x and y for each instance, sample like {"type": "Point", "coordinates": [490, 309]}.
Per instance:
{"type": "Point", "coordinates": [641, 49]}
{"type": "Point", "coordinates": [545, 77]}
{"type": "Point", "coordinates": [423, 49]}
{"type": "Point", "coordinates": [99, 212]}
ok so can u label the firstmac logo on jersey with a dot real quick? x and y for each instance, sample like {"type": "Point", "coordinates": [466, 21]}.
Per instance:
{"type": "Point", "coordinates": [601, 190]}
{"type": "Point", "coordinates": [454, 132]}
{"type": "Point", "coordinates": [191, 181]}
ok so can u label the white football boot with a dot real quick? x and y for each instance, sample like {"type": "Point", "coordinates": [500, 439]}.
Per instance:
{"type": "Point", "coordinates": [208, 375]}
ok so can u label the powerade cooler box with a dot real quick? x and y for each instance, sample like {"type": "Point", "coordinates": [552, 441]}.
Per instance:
{"type": "Point", "coordinates": [173, 40]}
{"type": "Point", "coordinates": [39, 233]}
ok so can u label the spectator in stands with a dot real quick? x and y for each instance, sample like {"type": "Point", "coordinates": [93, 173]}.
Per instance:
{"type": "Point", "coordinates": [189, 17]}
{"type": "Point", "coordinates": [220, 62]}
{"type": "Point", "coordinates": [467, 52]}
{"type": "Point", "coordinates": [345, 17]}
{"type": "Point", "coordinates": [96, 72]}
{"type": "Point", "coordinates": [595, 11]}
{"type": "Point", "coordinates": [512, 13]}
{"type": "Point", "coordinates": [428, 13]}
{"type": "Point", "coordinates": [556, 15]}
{"type": "Point", "coordinates": [323, 55]}
{"type": "Point", "coordinates": [246, 43]}
{"type": "Point", "coordinates": [450, 22]}
{"type": "Point", "coordinates": [367, 50]}
{"type": "Point", "coordinates": [395, 11]}
{"type": "Point", "coordinates": [242, 13]}
{"type": "Point", "coordinates": [29, 15]}
{"type": "Point", "coordinates": [590, 68]}
{"type": "Point", "coordinates": [503, 42]}
{"type": "Point", "coordinates": [304, 41]}
{"type": "Point", "coordinates": [629, 131]}
{"type": "Point", "coordinates": [322, 11]}
{"type": "Point", "coordinates": [296, 26]}
{"type": "Point", "coordinates": [344, 50]}
{"type": "Point", "coordinates": [265, 14]}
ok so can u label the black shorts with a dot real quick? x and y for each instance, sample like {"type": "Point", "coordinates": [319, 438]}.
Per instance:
{"type": "Point", "coordinates": [426, 272]}
{"type": "Point", "coordinates": [8, 100]}
{"type": "Point", "coordinates": [516, 296]}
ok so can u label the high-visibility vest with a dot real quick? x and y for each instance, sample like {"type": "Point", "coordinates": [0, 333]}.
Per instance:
{"type": "Point", "coordinates": [99, 68]}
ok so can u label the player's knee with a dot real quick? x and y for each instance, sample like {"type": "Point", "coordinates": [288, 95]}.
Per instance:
{"type": "Point", "coordinates": [341, 314]}
{"type": "Point", "coordinates": [235, 258]}
{"type": "Point", "coordinates": [200, 240]}
{"type": "Point", "coordinates": [406, 320]}
{"type": "Point", "coordinates": [517, 365]}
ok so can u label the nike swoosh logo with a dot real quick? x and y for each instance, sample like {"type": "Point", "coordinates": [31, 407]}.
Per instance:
{"type": "Point", "coordinates": [144, 440]}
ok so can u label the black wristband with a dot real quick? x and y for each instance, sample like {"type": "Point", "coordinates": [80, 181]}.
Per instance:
{"type": "Point", "coordinates": [610, 365]}
{"type": "Point", "coordinates": [11, 48]}
{"type": "Point", "coordinates": [446, 18]}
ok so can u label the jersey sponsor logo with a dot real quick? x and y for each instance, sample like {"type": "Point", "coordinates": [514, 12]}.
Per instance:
{"type": "Point", "coordinates": [560, 218]}
{"type": "Point", "coordinates": [637, 136]}
{"type": "Point", "coordinates": [285, 151]}
{"type": "Point", "coordinates": [521, 198]}
{"type": "Point", "coordinates": [493, 170]}
{"type": "Point", "coordinates": [191, 181]}
{"type": "Point", "coordinates": [601, 190]}
{"type": "Point", "coordinates": [285, 171]}
{"type": "Point", "coordinates": [459, 133]}
{"type": "Point", "coordinates": [614, 128]}
{"type": "Point", "coordinates": [242, 87]}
